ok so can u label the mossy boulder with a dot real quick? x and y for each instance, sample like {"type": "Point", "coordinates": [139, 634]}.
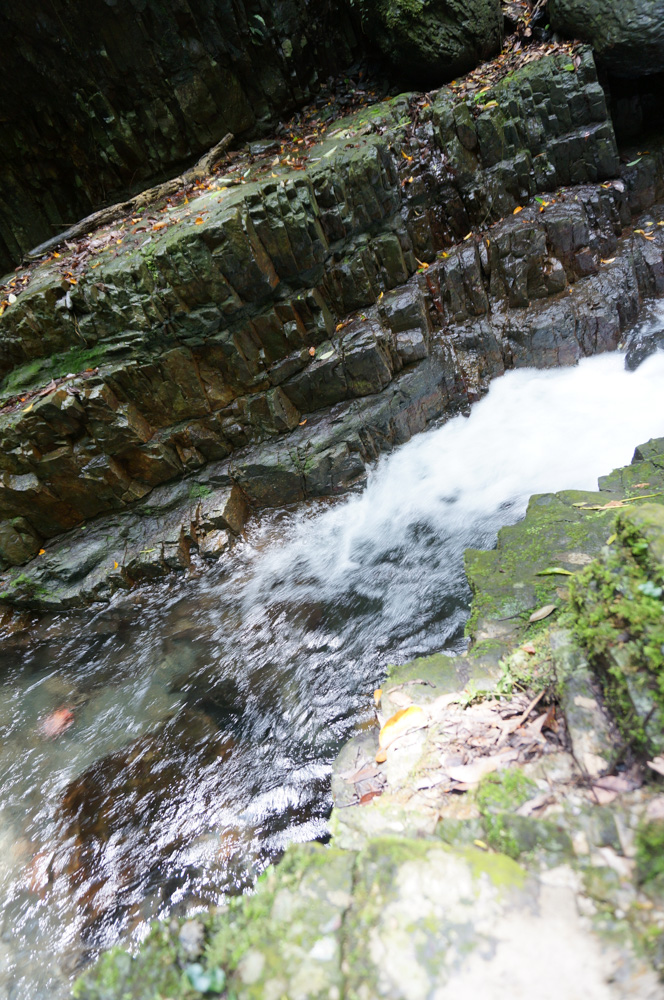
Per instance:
{"type": "Point", "coordinates": [627, 35]}
{"type": "Point", "coordinates": [618, 609]}
{"type": "Point", "coordinates": [430, 41]}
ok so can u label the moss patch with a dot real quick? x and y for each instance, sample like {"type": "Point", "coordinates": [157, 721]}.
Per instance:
{"type": "Point", "coordinates": [617, 609]}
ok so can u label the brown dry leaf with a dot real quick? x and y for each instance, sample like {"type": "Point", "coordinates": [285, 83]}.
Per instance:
{"type": "Point", "coordinates": [369, 796]}
{"type": "Point", "coordinates": [541, 613]}
{"type": "Point", "coordinates": [616, 783]}
{"type": "Point", "coordinates": [657, 764]}
{"type": "Point", "coordinates": [529, 648]}
{"type": "Point", "coordinates": [472, 774]}
{"type": "Point", "coordinates": [405, 721]}
{"type": "Point", "coordinates": [640, 486]}
{"type": "Point", "coordinates": [603, 796]}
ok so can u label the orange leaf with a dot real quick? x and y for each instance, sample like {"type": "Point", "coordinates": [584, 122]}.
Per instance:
{"type": "Point", "coordinates": [381, 757]}
{"type": "Point", "coordinates": [312, 351]}
{"type": "Point", "coordinates": [198, 221]}
{"type": "Point", "coordinates": [42, 551]}
{"type": "Point", "coordinates": [519, 208]}
{"type": "Point", "coordinates": [377, 695]}
{"type": "Point", "coordinates": [402, 722]}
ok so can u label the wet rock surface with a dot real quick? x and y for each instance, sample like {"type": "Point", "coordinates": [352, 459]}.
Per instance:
{"type": "Point", "coordinates": [430, 43]}
{"type": "Point", "coordinates": [98, 102]}
{"type": "Point", "coordinates": [493, 822]}
{"type": "Point", "coordinates": [627, 36]}
{"type": "Point", "coordinates": [319, 354]}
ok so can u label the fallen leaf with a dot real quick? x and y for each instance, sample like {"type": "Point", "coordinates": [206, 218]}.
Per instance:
{"type": "Point", "coordinates": [381, 757]}
{"type": "Point", "coordinates": [312, 351]}
{"type": "Point", "coordinates": [554, 571]}
{"type": "Point", "coordinates": [657, 764]}
{"type": "Point", "coordinates": [607, 260]}
{"type": "Point", "coordinates": [115, 564]}
{"type": "Point", "coordinates": [519, 208]}
{"type": "Point", "coordinates": [302, 422]}
{"type": "Point", "coordinates": [481, 845]}
{"type": "Point", "coordinates": [541, 613]}
{"type": "Point", "coordinates": [57, 723]}
{"type": "Point", "coordinates": [616, 783]}
{"type": "Point", "coordinates": [611, 539]}
{"type": "Point", "coordinates": [529, 648]}
{"type": "Point", "coordinates": [472, 774]}
{"type": "Point", "coordinates": [368, 797]}
{"type": "Point", "coordinates": [602, 796]}
{"type": "Point", "coordinates": [402, 722]}
{"type": "Point", "coordinates": [41, 552]}
{"type": "Point", "coordinates": [378, 693]}
{"type": "Point", "coordinates": [641, 486]}
{"type": "Point", "coordinates": [198, 221]}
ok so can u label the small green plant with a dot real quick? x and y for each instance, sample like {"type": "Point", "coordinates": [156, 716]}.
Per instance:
{"type": "Point", "coordinates": [199, 491]}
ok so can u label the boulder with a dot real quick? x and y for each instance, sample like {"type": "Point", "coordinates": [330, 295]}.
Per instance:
{"type": "Point", "coordinates": [430, 41]}
{"type": "Point", "coordinates": [627, 35]}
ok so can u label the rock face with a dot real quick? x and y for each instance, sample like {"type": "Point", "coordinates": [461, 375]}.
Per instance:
{"type": "Point", "coordinates": [627, 36]}
{"type": "Point", "coordinates": [431, 41]}
{"type": "Point", "coordinates": [96, 101]}
{"type": "Point", "coordinates": [218, 345]}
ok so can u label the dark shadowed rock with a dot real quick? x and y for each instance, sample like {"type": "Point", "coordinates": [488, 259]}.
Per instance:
{"type": "Point", "coordinates": [431, 41]}
{"type": "Point", "coordinates": [627, 35]}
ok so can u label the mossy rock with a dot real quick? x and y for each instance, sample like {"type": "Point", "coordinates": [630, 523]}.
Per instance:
{"type": "Point", "coordinates": [431, 41]}
{"type": "Point", "coordinates": [617, 606]}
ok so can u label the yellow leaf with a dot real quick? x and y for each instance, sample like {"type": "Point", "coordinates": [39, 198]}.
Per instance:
{"type": "Point", "coordinates": [607, 260]}
{"type": "Point", "coordinates": [42, 551]}
{"type": "Point", "coordinates": [198, 221]}
{"type": "Point", "coordinates": [401, 723]}
{"type": "Point", "coordinates": [541, 613]}
{"type": "Point", "coordinates": [55, 253]}
{"type": "Point", "coordinates": [381, 757]}
{"type": "Point", "coordinates": [377, 695]}
{"type": "Point", "coordinates": [422, 264]}
{"type": "Point", "coordinates": [406, 156]}
{"type": "Point", "coordinates": [467, 236]}
{"type": "Point", "coordinates": [491, 104]}
{"type": "Point", "coordinates": [611, 539]}
{"type": "Point", "coordinates": [115, 564]}
{"type": "Point", "coordinates": [481, 845]}
{"type": "Point", "coordinates": [519, 208]}
{"type": "Point", "coordinates": [28, 408]}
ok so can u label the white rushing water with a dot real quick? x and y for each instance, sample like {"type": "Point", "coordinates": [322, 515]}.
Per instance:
{"type": "Point", "coordinates": [453, 487]}
{"type": "Point", "coordinates": [275, 652]}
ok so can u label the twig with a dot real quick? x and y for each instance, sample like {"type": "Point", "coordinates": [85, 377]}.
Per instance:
{"type": "Point", "coordinates": [201, 169]}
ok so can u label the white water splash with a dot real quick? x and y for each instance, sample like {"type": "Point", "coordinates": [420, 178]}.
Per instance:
{"type": "Point", "coordinates": [453, 487]}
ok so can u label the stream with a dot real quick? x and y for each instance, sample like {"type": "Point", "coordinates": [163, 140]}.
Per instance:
{"type": "Point", "coordinates": [206, 712]}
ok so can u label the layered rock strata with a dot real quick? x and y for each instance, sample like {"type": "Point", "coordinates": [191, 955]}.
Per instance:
{"type": "Point", "coordinates": [96, 101]}
{"type": "Point", "coordinates": [223, 352]}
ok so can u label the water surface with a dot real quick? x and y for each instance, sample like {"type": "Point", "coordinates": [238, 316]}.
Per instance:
{"type": "Point", "coordinates": [207, 711]}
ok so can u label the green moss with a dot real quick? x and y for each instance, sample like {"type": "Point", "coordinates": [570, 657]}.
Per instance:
{"type": "Point", "coordinates": [617, 616]}
{"type": "Point", "coordinates": [198, 491]}
{"type": "Point", "coordinates": [498, 796]}
{"type": "Point", "coordinates": [503, 871]}
{"type": "Point", "coordinates": [650, 854]}
{"type": "Point", "coordinates": [37, 373]}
